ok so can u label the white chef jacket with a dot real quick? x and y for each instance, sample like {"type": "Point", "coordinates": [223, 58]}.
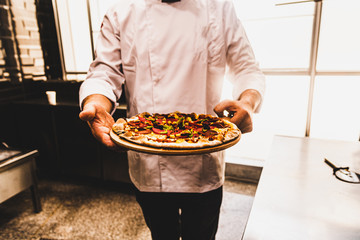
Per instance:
{"type": "Point", "coordinates": [172, 57]}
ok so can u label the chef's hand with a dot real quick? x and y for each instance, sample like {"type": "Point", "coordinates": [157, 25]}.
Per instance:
{"type": "Point", "coordinates": [241, 111]}
{"type": "Point", "coordinates": [95, 112]}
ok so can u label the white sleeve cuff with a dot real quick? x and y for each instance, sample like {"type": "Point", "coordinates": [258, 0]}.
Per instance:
{"type": "Point", "coordinates": [94, 86]}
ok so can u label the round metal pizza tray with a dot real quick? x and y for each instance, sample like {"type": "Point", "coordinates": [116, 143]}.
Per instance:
{"type": "Point", "coordinates": [166, 151]}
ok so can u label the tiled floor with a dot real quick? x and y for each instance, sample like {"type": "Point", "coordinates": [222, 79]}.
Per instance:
{"type": "Point", "coordinates": [84, 211]}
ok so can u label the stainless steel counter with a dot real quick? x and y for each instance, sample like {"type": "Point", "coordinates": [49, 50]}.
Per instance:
{"type": "Point", "coordinates": [298, 197]}
{"type": "Point", "coordinates": [17, 174]}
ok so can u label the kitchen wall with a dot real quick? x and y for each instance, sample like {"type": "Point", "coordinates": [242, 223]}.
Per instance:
{"type": "Point", "coordinates": [28, 41]}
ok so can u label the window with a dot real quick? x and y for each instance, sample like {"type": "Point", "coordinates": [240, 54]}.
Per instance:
{"type": "Point", "coordinates": [339, 47]}
{"type": "Point", "coordinates": [97, 11]}
{"type": "Point", "coordinates": [74, 29]}
{"type": "Point", "coordinates": [283, 112]}
{"type": "Point", "coordinates": [321, 92]}
{"type": "Point", "coordinates": [280, 35]}
{"type": "Point", "coordinates": [336, 113]}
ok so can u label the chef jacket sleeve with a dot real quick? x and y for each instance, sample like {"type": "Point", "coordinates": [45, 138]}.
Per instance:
{"type": "Point", "coordinates": [244, 71]}
{"type": "Point", "coordinates": [105, 76]}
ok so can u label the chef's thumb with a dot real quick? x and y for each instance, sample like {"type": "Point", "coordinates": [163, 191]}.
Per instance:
{"type": "Point", "coordinates": [222, 106]}
{"type": "Point", "coordinates": [88, 112]}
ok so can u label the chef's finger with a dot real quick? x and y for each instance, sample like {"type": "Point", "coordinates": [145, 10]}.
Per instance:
{"type": "Point", "coordinates": [109, 119]}
{"type": "Point", "coordinates": [106, 140]}
{"type": "Point", "coordinates": [222, 106]}
{"type": "Point", "coordinates": [101, 133]}
{"type": "Point", "coordinates": [88, 113]}
{"type": "Point", "coordinates": [243, 120]}
{"type": "Point", "coordinates": [246, 125]}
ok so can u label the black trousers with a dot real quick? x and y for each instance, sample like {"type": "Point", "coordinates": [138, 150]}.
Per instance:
{"type": "Point", "coordinates": [193, 216]}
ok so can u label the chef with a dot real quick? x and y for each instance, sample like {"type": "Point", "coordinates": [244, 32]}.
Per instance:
{"type": "Point", "coordinates": [173, 56]}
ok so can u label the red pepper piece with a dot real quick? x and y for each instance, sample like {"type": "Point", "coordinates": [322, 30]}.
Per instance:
{"type": "Point", "coordinates": [159, 131]}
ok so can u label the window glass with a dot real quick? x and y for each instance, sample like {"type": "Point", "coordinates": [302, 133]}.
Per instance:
{"type": "Point", "coordinates": [283, 112]}
{"type": "Point", "coordinates": [284, 109]}
{"type": "Point", "coordinates": [279, 35]}
{"type": "Point", "coordinates": [75, 35]}
{"type": "Point", "coordinates": [77, 77]}
{"type": "Point", "coordinates": [95, 37]}
{"type": "Point", "coordinates": [339, 43]}
{"type": "Point", "coordinates": [97, 10]}
{"type": "Point", "coordinates": [336, 108]}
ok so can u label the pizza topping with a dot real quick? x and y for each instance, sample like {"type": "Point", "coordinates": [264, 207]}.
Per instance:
{"type": "Point", "coordinates": [147, 131]}
{"type": "Point", "coordinates": [159, 131]}
{"type": "Point", "coordinates": [175, 128]}
{"type": "Point", "coordinates": [175, 125]}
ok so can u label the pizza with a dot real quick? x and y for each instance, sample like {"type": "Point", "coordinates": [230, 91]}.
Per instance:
{"type": "Point", "coordinates": [176, 130]}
